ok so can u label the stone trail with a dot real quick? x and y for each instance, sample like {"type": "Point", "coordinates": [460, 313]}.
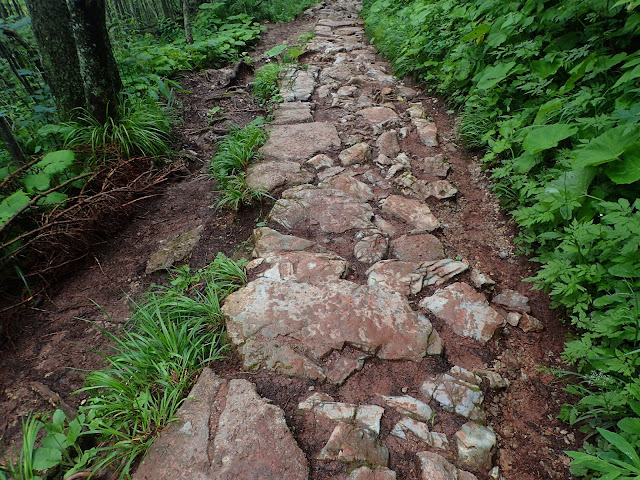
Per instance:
{"type": "Point", "coordinates": [350, 199]}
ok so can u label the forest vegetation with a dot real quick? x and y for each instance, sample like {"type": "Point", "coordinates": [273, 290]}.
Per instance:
{"type": "Point", "coordinates": [550, 89]}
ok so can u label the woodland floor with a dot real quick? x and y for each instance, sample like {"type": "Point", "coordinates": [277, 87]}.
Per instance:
{"type": "Point", "coordinates": [57, 341]}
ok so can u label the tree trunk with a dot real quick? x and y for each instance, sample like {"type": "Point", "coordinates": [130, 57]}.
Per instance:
{"type": "Point", "coordinates": [187, 21]}
{"type": "Point", "coordinates": [51, 24]}
{"type": "Point", "coordinates": [98, 68]}
{"type": "Point", "coordinates": [10, 142]}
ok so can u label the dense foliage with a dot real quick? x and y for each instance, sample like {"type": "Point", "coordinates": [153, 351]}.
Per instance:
{"type": "Point", "coordinates": [551, 89]}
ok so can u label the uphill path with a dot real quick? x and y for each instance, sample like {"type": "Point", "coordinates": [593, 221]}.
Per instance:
{"type": "Point", "coordinates": [384, 333]}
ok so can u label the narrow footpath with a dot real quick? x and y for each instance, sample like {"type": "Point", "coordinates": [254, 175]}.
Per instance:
{"type": "Point", "coordinates": [385, 332]}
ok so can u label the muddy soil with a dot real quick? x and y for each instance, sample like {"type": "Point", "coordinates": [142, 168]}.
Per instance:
{"type": "Point", "coordinates": [57, 341]}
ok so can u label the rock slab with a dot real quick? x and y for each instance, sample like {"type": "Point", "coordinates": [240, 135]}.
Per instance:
{"type": "Point", "coordinates": [300, 142]}
{"type": "Point", "coordinates": [226, 431]}
{"type": "Point", "coordinates": [292, 327]}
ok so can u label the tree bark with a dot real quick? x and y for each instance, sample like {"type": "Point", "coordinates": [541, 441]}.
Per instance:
{"type": "Point", "coordinates": [10, 142]}
{"type": "Point", "coordinates": [186, 11]}
{"type": "Point", "coordinates": [102, 83]}
{"type": "Point", "coordinates": [51, 24]}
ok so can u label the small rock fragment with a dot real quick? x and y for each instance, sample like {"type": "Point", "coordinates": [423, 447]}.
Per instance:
{"type": "Point", "coordinates": [480, 279]}
{"type": "Point", "coordinates": [320, 161]}
{"type": "Point", "coordinates": [513, 318]}
{"type": "Point", "coordinates": [465, 311]}
{"type": "Point", "coordinates": [411, 407]}
{"type": "Point", "coordinates": [496, 381]}
{"type": "Point", "coordinates": [411, 211]}
{"type": "Point", "coordinates": [458, 391]}
{"type": "Point", "coordinates": [420, 431]}
{"type": "Point", "coordinates": [436, 166]}
{"type": "Point", "coordinates": [513, 301]}
{"type": "Point", "coordinates": [351, 444]}
{"type": "Point", "coordinates": [174, 250]}
{"type": "Point", "coordinates": [439, 189]}
{"type": "Point", "coordinates": [378, 114]}
{"type": "Point", "coordinates": [403, 277]}
{"type": "Point", "coordinates": [530, 324]}
{"type": "Point", "coordinates": [417, 248]}
{"type": "Point", "coordinates": [387, 144]}
{"type": "Point", "coordinates": [267, 240]}
{"type": "Point", "coordinates": [371, 247]}
{"type": "Point", "coordinates": [443, 270]}
{"type": "Point", "coordinates": [378, 473]}
{"type": "Point", "coordinates": [436, 467]}
{"type": "Point", "coordinates": [476, 446]}
{"type": "Point", "coordinates": [427, 131]}
{"type": "Point", "coordinates": [359, 153]}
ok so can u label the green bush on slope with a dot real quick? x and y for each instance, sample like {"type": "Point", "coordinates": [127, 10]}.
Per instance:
{"type": "Point", "coordinates": [551, 90]}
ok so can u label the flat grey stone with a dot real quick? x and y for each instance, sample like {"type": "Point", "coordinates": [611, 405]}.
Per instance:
{"type": "Point", "coordinates": [329, 210]}
{"type": "Point", "coordinates": [299, 142]}
{"type": "Point", "coordinates": [437, 166]}
{"type": "Point", "coordinates": [350, 186]}
{"type": "Point", "coordinates": [439, 189]}
{"type": "Point", "coordinates": [267, 240]}
{"type": "Point", "coordinates": [297, 85]}
{"type": "Point", "coordinates": [292, 112]}
{"type": "Point", "coordinates": [417, 248]}
{"type": "Point", "coordinates": [371, 247]}
{"type": "Point", "coordinates": [388, 145]}
{"type": "Point", "coordinates": [174, 250]}
{"type": "Point", "coordinates": [358, 153]}
{"type": "Point", "coordinates": [267, 176]}
{"type": "Point", "coordinates": [320, 161]}
{"type": "Point", "coordinates": [427, 131]}
{"type": "Point", "coordinates": [378, 114]}
{"type": "Point", "coordinates": [513, 301]}
{"type": "Point", "coordinates": [465, 311]}
{"type": "Point", "coordinates": [291, 327]}
{"type": "Point", "coordinates": [366, 416]}
{"type": "Point", "coordinates": [305, 267]}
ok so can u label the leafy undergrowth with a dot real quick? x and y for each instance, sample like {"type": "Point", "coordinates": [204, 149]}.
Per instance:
{"type": "Point", "coordinates": [171, 335]}
{"type": "Point", "coordinates": [551, 90]}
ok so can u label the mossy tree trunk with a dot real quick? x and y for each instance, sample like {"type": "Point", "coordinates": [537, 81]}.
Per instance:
{"type": "Point", "coordinates": [10, 142]}
{"type": "Point", "coordinates": [51, 25]}
{"type": "Point", "coordinates": [186, 12]}
{"type": "Point", "coordinates": [102, 83]}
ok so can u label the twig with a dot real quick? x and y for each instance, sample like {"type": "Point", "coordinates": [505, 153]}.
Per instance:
{"type": "Point", "coordinates": [53, 398]}
{"type": "Point", "coordinates": [85, 474]}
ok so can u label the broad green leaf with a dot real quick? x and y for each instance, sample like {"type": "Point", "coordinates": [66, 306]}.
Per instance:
{"type": "Point", "coordinates": [526, 162]}
{"type": "Point", "coordinates": [56, 162]}
{"type": "Point", "coordinates": [277, 50]}
{"type": "Point", "coordinates": [477, 32]}
{"type": "Point", "coordinates": [37, 182]}
{"type": "Point", "coordinates": [571, 184]}
{"type": "Point", "coordinates": [630, 425]}
{"type": "Point", "coordinates": [627, 169]}
{"type": "Point", "coordinates": [605, 148]}
{"type": "Point", "coordinates": [56, 441]}
{"type": "Point", "coordinates": [544, 68]}
{"type": "Point", "coordinates": [624, 270]}
{"type": "Point", "coordinates": [12, 204]}
{"type": "Point", "coordinates": [628, 76]}
{"type": "Point", "coordinates": [53, 198]}
{"type": "Point", "coordinates": [494, 74]}
{"type": "Point", "coordinates": [547, 136]}
{"type": "Point", "coordinates": [4, 173]}
{"type": "Point", "coordinates": [44, 458]}
{"type": "Point", "coordinates": [58, 417]}
{"type": "Point", "coordinates": [547, 108]}
{"type": "Point", "coordinates": [621, 444]}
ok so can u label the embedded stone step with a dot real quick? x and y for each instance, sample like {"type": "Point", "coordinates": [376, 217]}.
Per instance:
{"type": "Point", "coordinates": [306, 267]}
{"type": "Point", "coordinates": [267, 176]}
{"type": "Point", "coordinates": [329, 210]}
{"type": "Point", "coordinates": [299, 142]}
{"type": "Point", "coordinates": [413, 212]}
{"type": "Point", "coordinates": [458, 391]}
{"type": "Point", "coordinates": [225, 431]}
{"type": "Point", "coordinates": [292, 112]}
{"type": "Point", "coordinates": [300, 329]}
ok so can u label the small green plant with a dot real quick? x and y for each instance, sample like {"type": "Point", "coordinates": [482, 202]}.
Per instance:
{"type": "Point", "coordinates": [265, 83]}
{"type": "Point", "coordinates": [140, 127]}
{"type": "Point", "coordinates": [60, 449]}
{"type": "Point", "coordinates": [234, 154]}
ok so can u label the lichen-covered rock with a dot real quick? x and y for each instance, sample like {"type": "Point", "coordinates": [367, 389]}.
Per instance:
{"type": "Point", "coordinates": [358, 153]}
{"type": "Point", "coordinates": [304, 267]}
{"type": "Point", "coordinates": [436, 467]}
{"type": "Point", "coordinates": [371, 246]}
{"type": "Point", "coordinates": [411, 407]}
{"type": "Point", "coordinates": [403, 277]}
{"type": "Point", "coordinates": [420, 430]}
{"type": "Point", "coordinates": [377, 473]}
{"type": "Point", "coordinates": [367, 416]}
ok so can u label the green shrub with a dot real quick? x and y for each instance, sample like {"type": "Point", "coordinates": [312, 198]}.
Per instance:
{"type": "Point", "coordinates": [265, 83]}
{"type": "Point", "coordinates": [551, 88]}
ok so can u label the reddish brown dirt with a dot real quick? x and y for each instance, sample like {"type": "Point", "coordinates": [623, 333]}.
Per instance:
{"type": "Point", "coordinates": [55, 342]}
